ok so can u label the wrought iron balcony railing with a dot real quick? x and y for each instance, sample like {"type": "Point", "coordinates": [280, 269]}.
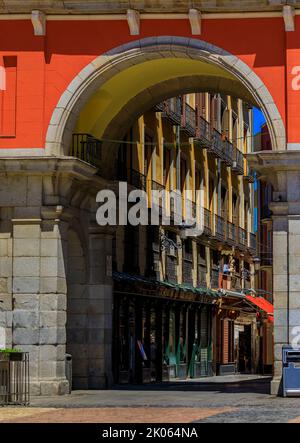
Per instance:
{"type": "Point", "coordinates": [227, 152]}
{"type": "Point", "coordinates": [203, 132]}
{"type": "Point", "coordinates": [242, 237]}
{"type": "Point", "coordinates": [216, 146]}
{"type": "Point", "coordinates": [219, 227]}
{"type": "Point", "coordinates": [188, 121]}
{"type": "Point", "coordinates": [252, 241]}
{"type": "Point", "coordinates": [236, 281]}
{"type": "Point", "coordinates": [171, 109]}
{"type": "Point", "coordinates": [86, 148]}
{"type": "Point", "coordinates": [230, 233]}
{"type": "Point", "coordinates": [136, 179]}
{"type": "Point", "coordinates": [207, 221]}
{"type": "Point", "coordinates": [238, 161]}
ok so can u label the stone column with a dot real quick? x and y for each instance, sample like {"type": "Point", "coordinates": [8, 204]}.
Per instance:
{"type": "Point", "coordinates": [39, 302]}
{"type": "Point", "coordinates": [280, 293]}
{"type": "Point", "coordinates": [100, 289]}
{"type": "Point", "coordinates": [282, 169]}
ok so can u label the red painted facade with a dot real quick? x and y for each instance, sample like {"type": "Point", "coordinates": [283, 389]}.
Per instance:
{"type": "Point", "coordinates": [40, 68]}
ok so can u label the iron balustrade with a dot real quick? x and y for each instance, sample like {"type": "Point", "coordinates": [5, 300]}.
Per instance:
{"type": "Point", "coordinates": [236, 281]}
{"type": "Point", "coordinates": [190, 209]}
{"type": "Point", "coordinates": [230, 232]}
{"type": "Point", "coordinates": [203, 132]}
{"type": "Point", "coordinates": [238, 161]}
{"type": "Point", "coordinates": [242, 236]}
{"type": "Point", "coordinates": [216, 146]}
{"type": "Point", "coordinates": [219, 227]}
{"type": "Point", "coordinates": [227, 152]}
{"type": "Point", "coordinates": [86, 148]}
{"type": "Point", "coordinates": [136, 179]}
{"type": "Point", "coordinates": [252, 241]}
{"type": "Point", "coordinates": [155, 186]}
{"type": "Point", "coordinates": [189, 119]}
{"type": "Point", "coordinates": [171, 109]}
{"type": "Point", "coordinates": [207, 221]}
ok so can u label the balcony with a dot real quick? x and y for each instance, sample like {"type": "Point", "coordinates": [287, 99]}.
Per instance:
{"type": "Point", "coordinates": [86, 148]}
{"type": "Point", "coordinates": [216, 146]}
{"type": "Point", "coordinates": [228, 152]}
{"type": "Point", "coordinates": [242, 240]}
{"type": "Point", "coordinates": [252, 242]}
{"type": "Point", "coordinates": [171, 109]}
{"type": "Point", "coordinates": [133, 178]}
{"type": "Point", "coordinates": [230, 233]}
{"type": "Point", "coordinates": [236, 282]}
{"type": "Point", "coordinates": [219, 228]}
{"type": "Point", "coordinates": [203, 133]}
{"type": "Point", "coordinates": [155, 186]}
{"type": "Point", "coordinates": [188, 122]}
{"type": "Point", "coordinates": [238, 161]}
{"type": "Point", "coordinates": [207, 221]}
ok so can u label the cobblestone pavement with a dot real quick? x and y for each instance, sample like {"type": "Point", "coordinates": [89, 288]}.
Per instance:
{"type": "Point", "coordinates": [215, 399]}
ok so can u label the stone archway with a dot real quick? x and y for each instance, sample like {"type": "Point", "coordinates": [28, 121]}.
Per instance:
{"type": "Point", "coordinates": [236, 76]}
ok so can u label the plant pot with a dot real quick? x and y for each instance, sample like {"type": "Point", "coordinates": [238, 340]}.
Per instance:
{"type": "Point", "coordinates": [16, 356]}
{"type": "Point", "coordinates": [4, 356]}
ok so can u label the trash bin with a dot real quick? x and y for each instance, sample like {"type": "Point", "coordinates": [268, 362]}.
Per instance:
{"type": "Point", "coordinates": [68, 362]}
{"type": "Point", "coordinates": [290, 371]}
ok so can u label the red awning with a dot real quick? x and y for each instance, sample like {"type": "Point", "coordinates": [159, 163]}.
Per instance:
{"type": "Point", "coordinates": [263, 304]}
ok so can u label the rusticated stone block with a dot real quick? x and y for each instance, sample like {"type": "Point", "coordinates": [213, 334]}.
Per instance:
{"type": "Point", "coordinates": [52, 335]}
{"type": "Point", "coordinates": [25, 319]}
{"type": "Point", "coordinates": [25, 336]}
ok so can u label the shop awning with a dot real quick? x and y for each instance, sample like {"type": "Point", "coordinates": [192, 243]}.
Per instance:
{"type": "Point", "coordinates": [123, 277]}
{"type": "Point", "coordinates": [263, 304]}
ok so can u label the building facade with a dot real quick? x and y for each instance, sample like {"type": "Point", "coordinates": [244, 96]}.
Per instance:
{"type": "Point", "coordinates": [170, 319]}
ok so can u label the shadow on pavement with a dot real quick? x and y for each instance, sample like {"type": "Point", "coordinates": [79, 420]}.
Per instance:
{"type": "Point", "coordinates": [256, 385]}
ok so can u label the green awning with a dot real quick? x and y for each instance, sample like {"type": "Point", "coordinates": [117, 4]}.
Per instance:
{"type": "Point", "coordinates": [131, 278]}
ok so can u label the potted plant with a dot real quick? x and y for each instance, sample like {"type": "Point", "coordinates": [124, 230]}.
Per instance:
{"type": "Point", "coordinates": [11, 354]}
{"type": "Point", "coordinates": [4, 356]}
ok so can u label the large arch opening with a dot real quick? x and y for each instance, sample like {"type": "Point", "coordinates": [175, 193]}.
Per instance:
{"type": "Point", "coordinates": [105, 100]}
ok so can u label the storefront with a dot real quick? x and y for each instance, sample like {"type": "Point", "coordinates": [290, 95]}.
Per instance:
{"type": "Point", "coordinates": [240, 320]}
{"type": "Point", "coordinates": [161, 331]}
